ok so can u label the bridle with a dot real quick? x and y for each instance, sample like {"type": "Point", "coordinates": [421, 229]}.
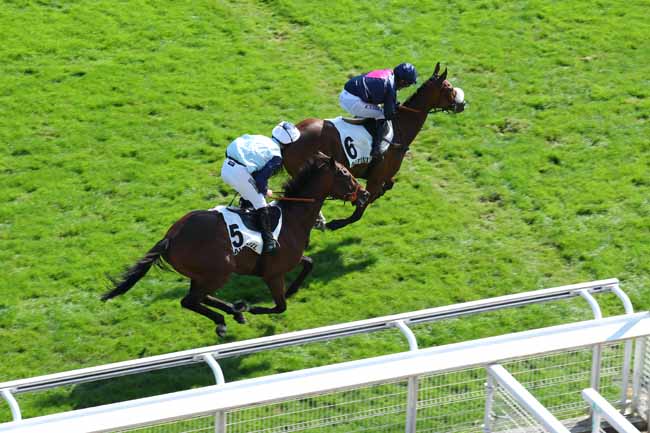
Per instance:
{"type": "Point", "coordinates": [352, 197]}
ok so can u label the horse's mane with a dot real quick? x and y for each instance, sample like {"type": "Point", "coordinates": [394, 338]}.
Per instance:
{"type": "Point", "coordinates": [417, 92]}
{"type": "Point", "coordinates": [311, 168]}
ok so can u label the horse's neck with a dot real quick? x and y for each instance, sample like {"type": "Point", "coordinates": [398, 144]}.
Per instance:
{"type": "Point", "coordinates": [409, 124]}
{"type": "Point", "coordinates": [299, 218]}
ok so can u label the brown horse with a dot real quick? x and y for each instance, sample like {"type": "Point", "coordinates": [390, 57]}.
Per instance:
{"type": "Point", "coordinates": [199, 247]}
{"type": "Point", "coordinates": [435, 94]}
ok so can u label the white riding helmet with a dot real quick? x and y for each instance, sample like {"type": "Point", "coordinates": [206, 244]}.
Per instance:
{"type": "Point", "coordinates": [285, 133]}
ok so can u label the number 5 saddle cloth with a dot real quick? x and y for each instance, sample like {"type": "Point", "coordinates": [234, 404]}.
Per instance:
{"type": "Point", "coordinates": [242, 226]}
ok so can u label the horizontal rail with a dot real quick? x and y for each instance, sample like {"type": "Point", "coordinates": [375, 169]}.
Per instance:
{"type": "Point", "coordinates": [526, 399]}
{"type": "Point", "coordinates": [297, 384]}
{"type": "Point", "coordinates": [609, 412]}
{"type": "Point", "coordinates": [193, 356]}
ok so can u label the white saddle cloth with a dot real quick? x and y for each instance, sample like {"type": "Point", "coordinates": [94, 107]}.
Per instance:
{"type": "Point", "coordinates": [241, 236]}
{"type": "Point", "coordinates": [357, 142]}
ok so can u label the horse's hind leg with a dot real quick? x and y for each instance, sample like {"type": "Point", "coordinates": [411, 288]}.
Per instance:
{"type": "Point", "coordinates": [226, 307]}
{"type": "Point", "coordinates": [307, 266]}
{"type": "Point", "coordinates": [193, 302]}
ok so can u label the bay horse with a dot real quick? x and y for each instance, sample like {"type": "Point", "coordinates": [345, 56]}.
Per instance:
{"type": "Point", "coordinates": [435, 94]}
{"type": "Point", "coordinates": [198, 245]}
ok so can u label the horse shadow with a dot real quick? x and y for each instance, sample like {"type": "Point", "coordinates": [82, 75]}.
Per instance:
{"type": "Point", "coordinates": [147, 384]}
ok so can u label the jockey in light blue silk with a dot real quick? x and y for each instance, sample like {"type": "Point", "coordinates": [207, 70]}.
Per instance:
{"type": "Point", "coordinates": [363, 94]}
{"type": "Point", "coordinates": [250, 161]}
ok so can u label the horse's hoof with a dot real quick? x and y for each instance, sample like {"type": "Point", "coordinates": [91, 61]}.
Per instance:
{"type": "Point", "coordinates": [240, 307]}
{"type": "Point", "coordinates": [239, 318]}
{"type": "Point", "coordinates": [321, 224]}
{"type": "Point", "coordinates": [221, 330]}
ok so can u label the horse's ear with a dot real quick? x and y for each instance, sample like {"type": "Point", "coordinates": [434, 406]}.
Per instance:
{"type": "Point", "coordinates": [443, 77]}
{"type": "Point", "coordinates": [435, 71]}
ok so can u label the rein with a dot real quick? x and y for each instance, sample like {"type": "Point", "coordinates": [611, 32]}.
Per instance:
{"type": "Point", "coordinates": [296, 199]}
{"type": "Point", "coordinates": [413, 110]}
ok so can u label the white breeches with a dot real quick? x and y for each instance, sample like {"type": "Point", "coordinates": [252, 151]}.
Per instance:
{"type": "Point", "coordinates": [357, 107]}
{"type": "Point", "coordinates": [238, 177]}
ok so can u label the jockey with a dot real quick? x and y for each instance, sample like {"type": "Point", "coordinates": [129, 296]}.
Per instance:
{"type": "Point", "coordinates": [362, 94]}
{"type": "Point", "coordinates": [250, 161]}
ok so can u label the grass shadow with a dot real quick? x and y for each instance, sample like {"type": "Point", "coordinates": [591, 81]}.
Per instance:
{"type": "Point", "coordinates": [152, 383]}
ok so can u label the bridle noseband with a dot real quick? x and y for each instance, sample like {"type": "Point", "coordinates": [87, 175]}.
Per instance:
{"type": "Point", "coordinates": [352, 197]}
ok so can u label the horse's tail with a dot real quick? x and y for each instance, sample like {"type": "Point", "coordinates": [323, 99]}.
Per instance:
{"type": "Point", "coordinates": [138, 270]}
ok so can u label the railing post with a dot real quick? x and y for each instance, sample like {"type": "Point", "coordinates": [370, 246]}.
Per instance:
{"type": "Point", "coordinates": [13, 404]}
{"type": "Point", "coordinates": [639, 361]}
{"type": "Point", "coordinates": [489, 400]}
{"type": "Point", "coordinates": [595, 308]}
{"type": "Point", "coordinates": [595, 420]}
{"type": "Point", "coordinates": [601, 407]}
{"type": "Point", "coordinates": [412, 393]}
{"type": "Point", "coordinates": [220, 416]}
{"type": "Point", "coordinates": [627, 354]}
{"type": "Point", "coordinates": [598, 349]}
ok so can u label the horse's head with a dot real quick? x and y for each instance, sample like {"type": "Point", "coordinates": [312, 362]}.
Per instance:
{"type": "Point", "coordinates": [341, 184]}
{"type": "Point", "coordinates": [437, 94]}
{"type": "Point", "coordinates": [323, 177]}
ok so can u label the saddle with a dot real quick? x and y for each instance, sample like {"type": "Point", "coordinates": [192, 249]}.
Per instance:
{"type": "Point", "coordinates": [247, 214]}
{"type": "Point", "coordinates": [369, 123]}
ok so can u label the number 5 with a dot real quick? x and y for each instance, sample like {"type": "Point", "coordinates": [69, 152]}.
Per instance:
{"type": "Point", "coordinates": [235, 233]}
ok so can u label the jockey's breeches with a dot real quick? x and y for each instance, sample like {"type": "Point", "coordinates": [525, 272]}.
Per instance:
{"type": "Point", "coordinates": [358, 107]}
{"type": "Point", "coordinates": [236, 175]}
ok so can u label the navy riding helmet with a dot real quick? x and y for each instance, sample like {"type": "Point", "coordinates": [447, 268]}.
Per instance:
{"type": "Point", "coordinates": [406, 72]}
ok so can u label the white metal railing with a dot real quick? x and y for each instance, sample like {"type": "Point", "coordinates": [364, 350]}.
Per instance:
{"type": "Point", "coordinates": [300, 384]}
{"type": "Point", "coordinates": [211, 354]}
{"type": "Point", "coordinates": [602, 408]}
{"type": "Point", "coordinates": [317, 334]}
{"type": "Point", "coordinates": [525, 399]}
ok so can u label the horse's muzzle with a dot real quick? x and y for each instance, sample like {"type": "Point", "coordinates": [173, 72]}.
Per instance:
{"type": "Point", "coordinates": [458, 107]}
{"type": "Point", "coordinates": [360, 197]}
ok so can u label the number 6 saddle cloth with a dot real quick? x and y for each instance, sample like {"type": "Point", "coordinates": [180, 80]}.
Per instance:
{"type": "Point", "coordinates": [356, 138]}
{"type": "Point", "coordinates": [242, 227]}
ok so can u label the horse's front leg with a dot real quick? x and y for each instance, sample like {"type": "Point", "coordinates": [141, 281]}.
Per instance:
{"type": "Point", "coordinates": [276, 285]}
{"type": "Point", "coordinates": [361, 204]}
{"type": "Point", "coordinates": [388, 185]}
{"type": "Point", "coordinates": [307, 266]}
{"type": "Point", "coordinates": [356, 216]}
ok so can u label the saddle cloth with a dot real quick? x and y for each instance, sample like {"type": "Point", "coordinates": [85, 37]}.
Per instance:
{"type": "Point", "coordinates": [243, 230]}
{"type": "Point", "coordinates": [357, 141]}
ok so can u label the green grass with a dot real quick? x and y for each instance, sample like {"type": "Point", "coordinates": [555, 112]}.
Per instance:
{"type": "Point", "coordinates": [114, 120]}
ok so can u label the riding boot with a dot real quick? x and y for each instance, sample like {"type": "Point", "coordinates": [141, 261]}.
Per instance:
{"type": "Point", "coordinates": [377, 139]}
{"type": "Point", "coordinates": [264, 221]}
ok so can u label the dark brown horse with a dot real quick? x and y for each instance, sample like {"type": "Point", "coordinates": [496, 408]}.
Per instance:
{"type": "Point", "coordinates": [199, 247]}
{"type": "Point", "coordinates": [435, 94]}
